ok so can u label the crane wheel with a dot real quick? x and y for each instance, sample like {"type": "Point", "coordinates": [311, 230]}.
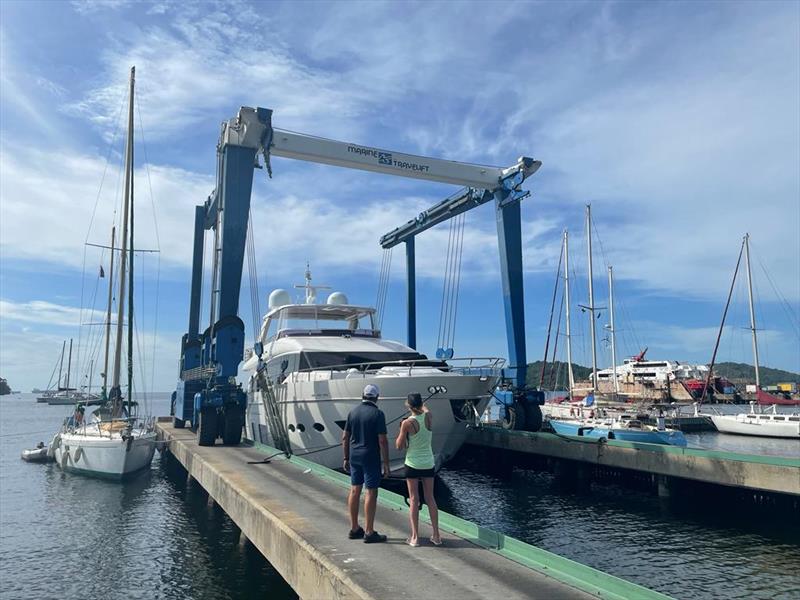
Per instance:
{"type": "Point", "coordinates": [514, 417]}
{"type": "Point", "coordinates": [533, 418]}
{"type": "Point", "coordinates": [232, 428]}
{"type": "Point", "coordinates": [207, 427]}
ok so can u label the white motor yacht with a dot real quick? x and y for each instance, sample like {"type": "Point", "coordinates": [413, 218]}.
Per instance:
{"type": "Point", "coordinates": [762, 424]}
{"type": "Point", "coordinates": [319, 357]}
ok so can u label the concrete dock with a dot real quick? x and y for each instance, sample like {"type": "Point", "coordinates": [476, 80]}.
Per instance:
{"type": "Point", "coordinates": [293, 511]}
{"type": "Point", "coordinates": [768, 474]}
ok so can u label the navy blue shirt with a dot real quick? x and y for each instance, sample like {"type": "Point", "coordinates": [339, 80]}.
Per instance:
{"type": "Point", "coordinates": [364, 424]}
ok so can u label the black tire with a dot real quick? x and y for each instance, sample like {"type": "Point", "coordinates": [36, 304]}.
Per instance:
{"type": "Point", "coordinates": [514, 417]}
{"type": "Point", "coordinates": [207, 427]}
{"type": "Point", "coordinates": [533, 417]}
{"type": "Point", "coordinates": [232, 426]}
{"type": "Point", "coordinates": [178, 423]}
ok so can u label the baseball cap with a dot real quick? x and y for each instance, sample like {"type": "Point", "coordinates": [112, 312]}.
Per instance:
{"type": "Point", "coordinates": [371, 391]}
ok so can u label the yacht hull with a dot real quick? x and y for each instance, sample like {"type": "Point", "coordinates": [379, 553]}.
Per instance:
{"type": "Point", "coordinates": [108, 457]}
{"type": "Point", "coordinates": [737, 425]}
{"type": "Point", "coordinates": [321, 408]}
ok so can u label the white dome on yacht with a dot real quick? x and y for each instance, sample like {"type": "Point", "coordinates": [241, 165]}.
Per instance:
{"type": "Point", "coordinates": [279, 298]}
{"type": "Point", "coordinates": [337, 298]}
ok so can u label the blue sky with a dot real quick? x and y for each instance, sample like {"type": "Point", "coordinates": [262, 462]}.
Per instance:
{"type": "Point", "coordinates": [678, 122]}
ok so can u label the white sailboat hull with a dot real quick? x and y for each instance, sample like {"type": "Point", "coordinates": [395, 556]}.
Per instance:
{"type": "Point", "coordinates": [321, 407]}
{"type": "Point", "coordinates": [105, 456]}
{"type": "Point", "coordinates": [745, 424]}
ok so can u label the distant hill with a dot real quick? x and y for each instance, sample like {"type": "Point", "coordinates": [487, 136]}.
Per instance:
{"type": "Point", "coordinates": [4, 389]}
{"type": "Point", "coordinates": [535, 369]}
{"type": "Point", "coordinates": [741, 371]}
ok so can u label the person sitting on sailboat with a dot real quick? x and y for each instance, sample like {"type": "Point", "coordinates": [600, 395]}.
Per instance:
{"type": "Point", "coordinates": [78, 416]}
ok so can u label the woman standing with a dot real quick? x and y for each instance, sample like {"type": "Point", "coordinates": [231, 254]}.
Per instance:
{"type": "Point", "coordinates": [415, 436]}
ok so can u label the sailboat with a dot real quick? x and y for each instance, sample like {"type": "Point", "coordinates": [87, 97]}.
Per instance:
{"type": "Point", "coordinates": [761, 423]}
{"type": "Point", "coordinates": [65, 395]}
{"type": "Point", "coordinates": [596, 422]}
{"type": "Point", "coordinates": [114, 442]}
{"type": "Point", "coordinates": [50, 392]}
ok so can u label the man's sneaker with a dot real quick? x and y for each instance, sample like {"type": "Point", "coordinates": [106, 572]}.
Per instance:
{"type": "Point", "coordinates": [374, 538]}
{"type": "Point", "coordinates": [357, 534]}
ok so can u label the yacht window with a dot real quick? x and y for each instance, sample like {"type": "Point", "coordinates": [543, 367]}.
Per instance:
{"type": "Point", "coordinates": [778, 419]}
{"type": "Point", "coordinates": [291, 427]}
{"type": "Point", "coordinates": [794, 418]}
{"type": "Point", "coordinates": [325, 360]}
{"type": "Point", "coordinates": [763, 417]}
{"type": "Point", "coordinates": [319, 426]}
{"type": "Point", "coordinates": [301, 428]}
{"type": "Point", "coordinates": [751, 416]}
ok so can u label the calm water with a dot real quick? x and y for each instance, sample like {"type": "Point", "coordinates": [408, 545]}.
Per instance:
{"type": "Point", "coordinates": [73, 537]}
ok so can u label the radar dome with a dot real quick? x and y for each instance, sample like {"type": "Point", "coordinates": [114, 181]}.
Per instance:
{"type": "Point", "coordinates": [279, 298]}
{"type": "Point", "coordinates": [337, 298]}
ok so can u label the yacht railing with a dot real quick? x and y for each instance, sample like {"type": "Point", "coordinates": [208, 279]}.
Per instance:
{"type": "Point", "coordinates": [480, 366]}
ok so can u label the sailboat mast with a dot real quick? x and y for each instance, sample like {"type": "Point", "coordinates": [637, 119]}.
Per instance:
{"type": "Point", "coordinates": [591, 296]}
{"type": "Point", "coordinates": [108, 313]}
{"type": "Point", "coordinates": [115, 389]}
{"type": "Point", "coordinates": [567, 301]}
{"type": "Point", "coordinates": [130, 268]}
{"type": "Point", "coordinates": [61, 364]}
{"type": "Point", "coordinates": [69, 363]}
{"type": "Point", "coordinates": [91, 372]}
{"type": "Point", "coordinates": [613, 331]}
{"type": "Point", "coordinates": [752, 308]}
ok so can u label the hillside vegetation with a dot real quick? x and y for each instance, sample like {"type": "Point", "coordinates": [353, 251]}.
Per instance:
{"type": "Point", "coordinates": [741, 371]}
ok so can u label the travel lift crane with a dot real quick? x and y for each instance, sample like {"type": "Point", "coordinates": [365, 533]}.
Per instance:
{"type": "Point", "coordinates": [207, 395]}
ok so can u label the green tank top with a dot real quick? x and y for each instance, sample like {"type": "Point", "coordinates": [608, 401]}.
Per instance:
{"type": "Point", "coordinates": [419, 454]}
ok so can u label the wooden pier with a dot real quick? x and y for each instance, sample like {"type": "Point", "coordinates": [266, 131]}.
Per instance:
{"type": "Point", "coordinates": [293, 511]}
{"type": "Point", "coordinates": [762, 474]}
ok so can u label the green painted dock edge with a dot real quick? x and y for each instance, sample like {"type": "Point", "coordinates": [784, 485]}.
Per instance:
{"type": "Point", "coordinates": [562, 569]}
{"type": "Point", "coordinates": [778, 461]}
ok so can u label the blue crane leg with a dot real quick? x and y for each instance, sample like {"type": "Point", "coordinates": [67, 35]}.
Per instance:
{"type": "Point", "coordinates": [412, 292]}
{"type": "Point", "coordinates": [236, 187]}
{"type": "Point", "coordinates": [197, 272]}
{"type": "Point", "coordinates": [509, 234]}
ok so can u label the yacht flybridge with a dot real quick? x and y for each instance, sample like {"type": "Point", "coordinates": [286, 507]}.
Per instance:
{"type": "Point", "coordinates": [316, 360]}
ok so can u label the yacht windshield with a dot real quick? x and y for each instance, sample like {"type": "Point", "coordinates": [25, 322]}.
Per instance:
{"type": "Point", "coordinates": [321, 319]}
{"type": "Point", "coordinates": [345, 360]}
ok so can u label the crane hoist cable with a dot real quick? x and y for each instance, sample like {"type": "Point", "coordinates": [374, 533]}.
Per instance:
{"type": "Point", "coordinates": [383, 285]}
{"type": "Point", "coordinates": [450, 287]}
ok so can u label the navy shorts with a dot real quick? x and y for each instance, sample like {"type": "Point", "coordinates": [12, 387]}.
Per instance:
{"type": "Point", "coordinates": [367, 474]}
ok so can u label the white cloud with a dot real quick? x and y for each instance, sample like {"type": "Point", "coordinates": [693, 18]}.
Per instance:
{"type": "Point", "coordinates": [56, 201]}
{"type": "Point", "coordinates": [47, 314]}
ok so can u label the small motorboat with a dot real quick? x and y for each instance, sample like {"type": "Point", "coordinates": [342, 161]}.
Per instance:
{"type": "Point", "coordinates": [38, 454]}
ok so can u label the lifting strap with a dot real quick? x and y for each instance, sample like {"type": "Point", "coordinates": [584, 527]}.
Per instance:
{"type": "Point", "coordinates": [277, 428]}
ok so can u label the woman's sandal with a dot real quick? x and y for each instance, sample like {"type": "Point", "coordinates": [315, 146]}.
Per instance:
{"type": "Point", "coordinates": [435, 543]}
{"type": "Point", "coordinates": [413, 545]}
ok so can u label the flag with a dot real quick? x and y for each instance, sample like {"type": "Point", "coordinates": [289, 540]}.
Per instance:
{"type": "Point", "coordinates": [102, 273]}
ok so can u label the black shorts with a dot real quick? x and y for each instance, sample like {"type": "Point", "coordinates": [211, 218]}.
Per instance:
{"type": "Point", "coordinates": [412, 473]}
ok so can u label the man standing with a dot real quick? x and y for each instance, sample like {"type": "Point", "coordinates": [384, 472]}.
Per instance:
{"type": "Point", "coordinates": [365, 448]}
